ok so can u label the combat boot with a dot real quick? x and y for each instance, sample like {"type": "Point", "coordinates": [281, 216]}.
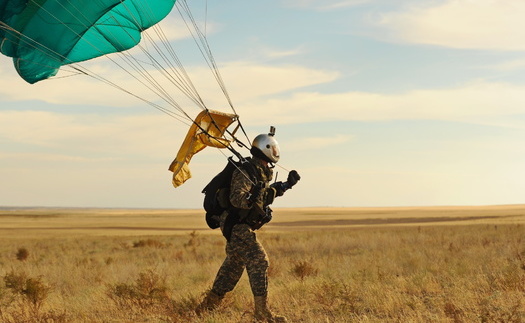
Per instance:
{"type": "Point", "coordinates": [210, 302]}
{"type": "Point", "coordinates": [263, 313]}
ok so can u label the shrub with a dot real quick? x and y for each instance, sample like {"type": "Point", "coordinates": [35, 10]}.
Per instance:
{"type": "Point", "coordinates": [32, 293]}
{"type": "Point", "coordinates": [194, 240]}
{"type": "Point", "coordinates": [15, 282]}
{"type": "Point", "coordinates": [33, 290]}
{"type": "Point", "coordinates": [149, 243]}
{"type": "Point", "coordinates": [6, 298]}
{"type": "Point", "coordinates": [22, 254]}
{"type": "Point", "coordinates": [303, 269]}
{"type": "Point", "coordinates": [36, 292]}
{"type": "Point", "coordinates": [149, 289]}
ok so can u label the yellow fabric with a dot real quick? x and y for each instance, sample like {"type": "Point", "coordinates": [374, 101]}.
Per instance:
{"type": "Point", "coordinates": [215, 124]}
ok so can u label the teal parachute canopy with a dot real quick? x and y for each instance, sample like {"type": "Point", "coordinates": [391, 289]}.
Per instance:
{"type": "Point", "coordinates": [43, 35]}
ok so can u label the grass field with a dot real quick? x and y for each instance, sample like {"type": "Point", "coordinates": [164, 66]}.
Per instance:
{"type": "Point", "coordinates": [441, 264]}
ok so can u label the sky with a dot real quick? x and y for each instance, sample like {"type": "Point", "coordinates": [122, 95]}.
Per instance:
{"type": "Point", "coordinates": [376, 103]}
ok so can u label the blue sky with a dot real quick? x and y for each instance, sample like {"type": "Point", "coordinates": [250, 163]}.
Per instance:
{"type": "Point", "coordinates": [376, 103]}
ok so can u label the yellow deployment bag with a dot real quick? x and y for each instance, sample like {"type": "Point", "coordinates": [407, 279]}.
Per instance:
{"type": "Point", "coordinates": [208, 129]}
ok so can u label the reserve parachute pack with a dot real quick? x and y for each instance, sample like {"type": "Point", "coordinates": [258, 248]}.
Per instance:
{"type": "Point", "coordinates": [217, 192]}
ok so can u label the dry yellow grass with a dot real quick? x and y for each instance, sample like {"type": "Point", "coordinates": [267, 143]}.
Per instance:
{"type": "Point", "coordinates": [443, 264]}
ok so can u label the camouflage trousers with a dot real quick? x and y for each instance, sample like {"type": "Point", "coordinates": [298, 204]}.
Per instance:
{"type": "Point", "coordinates": [243, 251]}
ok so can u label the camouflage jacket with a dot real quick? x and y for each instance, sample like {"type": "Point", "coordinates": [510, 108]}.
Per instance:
{"type": "Point", "coordinates": [242, 184]}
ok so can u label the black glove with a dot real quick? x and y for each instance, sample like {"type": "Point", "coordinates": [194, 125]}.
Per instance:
{"type": "Point", "coordinates": [293, 178]}
{"type": "Point", "coordinates": [281, 187]}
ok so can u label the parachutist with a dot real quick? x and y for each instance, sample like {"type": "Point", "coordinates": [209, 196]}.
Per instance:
{"type": "Point", "coordinates": [250, 198]}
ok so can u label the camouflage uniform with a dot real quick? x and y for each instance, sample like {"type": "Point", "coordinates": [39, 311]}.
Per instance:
{"type": "Point", "coordinates": [242, 249]}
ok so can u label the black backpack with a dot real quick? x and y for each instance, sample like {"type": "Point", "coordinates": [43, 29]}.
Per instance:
{"type": "Point", "coordinates": [217, 192]}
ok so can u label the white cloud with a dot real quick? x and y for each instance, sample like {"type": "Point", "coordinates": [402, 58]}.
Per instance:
{"type": "Point", "coordinates": [463, 103]}
{"type": "Point", "coordinates": [315, 143]}
{"type": "Point", "coordinates": [52, 158]}
{"type": "Point", "coordinates": [251, 81]}
{"type": "Point", "coordinates": [273, 53]}
{"type": "Point", "coordinates": [512, 65]}
{"type": "Point", "coordinates": [343, 4]}
{"type": "Point", "coordinates": [325, 5]}
{"type": "Point", "coordinates": [169, 29]}
{"type": "Point", "coordinates": [472, 100]}
{"type": "Point", "coordinates": [246, 81]}
{"type": "Point", "coordinates": [480, 24]}
{"type": "Point", "coordinates": [251, 86]}
{"type": "Point", "coordinates": [77, 135]}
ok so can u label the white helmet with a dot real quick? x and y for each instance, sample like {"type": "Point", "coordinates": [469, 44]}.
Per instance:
{"type": "Point", "coordinates": [267, 145]}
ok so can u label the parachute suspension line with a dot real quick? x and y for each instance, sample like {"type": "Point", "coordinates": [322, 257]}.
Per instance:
{"type": "Point", "coordinates": [29, 42]}
{"type": "Point", "coordinates": [242, 160]}
{"type": "Point", "coordinates": [175, 72]}
{"type": "Point", "coordinates": [179, 70]}
{"type": "Point", "coordinates": [154, 105]}
{"type": "Point", "coordinates": [131, 61]}
{"type": "Point", "coordinates": [80, 69]}
{"type": "Point", "coordinates": [178, 75]}
{"type": "Point", "coordinates": [283, 168]}
{"type": "Point", "coordinates": [159, 91]}
{"type": "Point", "coordinates": [42, 49]}
{"type": "Point", "coordinates": [203, 45]}
{"type": "Point", "coordinates": [182, 76]}
{"type": "Point", "coordinates": [153, 86]}
{"type": "Point", "coordinates": [135, 65]}
{"type": "Point", "coordinates": [52, 54]}
{"type": "Point", "coordinates": [206, 19]}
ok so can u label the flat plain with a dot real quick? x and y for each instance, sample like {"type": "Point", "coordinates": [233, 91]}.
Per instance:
{"type": "Point", "coordinates": [405, 264]}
